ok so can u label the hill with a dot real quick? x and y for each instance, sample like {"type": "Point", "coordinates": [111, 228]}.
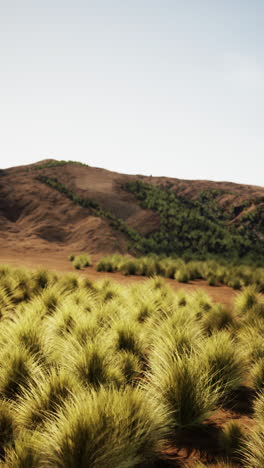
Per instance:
{"type": "Point", "coordinates": [64, 206]}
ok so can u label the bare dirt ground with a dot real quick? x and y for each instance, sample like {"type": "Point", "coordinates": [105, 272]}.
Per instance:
{"type": "Point", "coordinates": [59, 262]}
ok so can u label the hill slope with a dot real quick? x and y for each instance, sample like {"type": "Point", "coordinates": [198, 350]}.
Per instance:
{"type": "Point", "coordinates": [56, 205]}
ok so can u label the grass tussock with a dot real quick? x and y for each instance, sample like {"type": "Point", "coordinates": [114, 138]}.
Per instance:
{"type": "Point", "coordinates": [17, 370]}
{"type": "Point", "coordinates": [184, 388]}
{"type": "Point", "coordinates": [43, 399]}
{"type": "Point", "coordinates": [80, 261]}
{"type": "Point", "coordinates": [225, 361]}
{"type": "Point", "coordinates": [108, 428]}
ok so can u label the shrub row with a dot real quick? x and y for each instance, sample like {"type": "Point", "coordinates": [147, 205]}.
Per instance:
{"type": "Point", "coordinates": [233, 275]}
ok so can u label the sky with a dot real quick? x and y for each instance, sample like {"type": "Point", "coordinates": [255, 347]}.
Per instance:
{"type": "Point", "coordinates": [154, 87]}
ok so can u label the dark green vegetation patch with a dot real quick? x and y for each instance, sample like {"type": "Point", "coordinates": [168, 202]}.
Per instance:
{"type": "Point", "coordinates": [198, 227]}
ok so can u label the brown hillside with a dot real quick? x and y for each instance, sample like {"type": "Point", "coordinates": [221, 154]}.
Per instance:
{"type": "Point", "coordinates": [36, 217]}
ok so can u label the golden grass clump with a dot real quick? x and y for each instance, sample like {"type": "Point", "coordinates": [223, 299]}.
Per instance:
{"type": "Point", "coordinates": [247, 299]}
{"type": "Point", "coordinates": [44, 397]}
{"type": "Point", "coordinates": [93, 365]}
{"type": "Point", "coordinates": [107, 428]}
{"type": "Point", "coordinates": [184, 387]}
{"type": "Point", "coordinates": [17, 370]}
{"type": "Point", "coordinates": [80, 261]}
{"type": "Point", "coordinates": [217, 318]}
{"type": "Point", "coordinates": [226, 363]}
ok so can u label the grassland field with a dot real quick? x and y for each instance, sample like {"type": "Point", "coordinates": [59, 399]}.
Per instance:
{"type": "Point", "coordinates": [102, 374]}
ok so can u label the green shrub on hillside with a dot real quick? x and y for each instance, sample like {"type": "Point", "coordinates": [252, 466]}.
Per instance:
{"type": "Point", "coordinates": [188, 228]}
{"type": "Point", "coordinates": [197, 227]}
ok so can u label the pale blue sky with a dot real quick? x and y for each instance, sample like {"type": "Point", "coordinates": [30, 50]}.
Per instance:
{"type": "Point", "coordinates": [168, 87]}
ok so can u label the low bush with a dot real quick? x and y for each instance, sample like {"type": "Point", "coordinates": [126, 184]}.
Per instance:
{"type": "Point", "coordinates": [127, 337]}
{"type": "Point", "coordinates": [93, 366]}
{"type": "Point", "coordinates": [131, 367]}
{"type": "Point", "coordinates": [178, 335]}
{"type": "Point", "coordinates": [77, 264]}
{"type": "Point", "coordinates": [214, 272]}
{"type": "Point", "coordinates": [251, 335]}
